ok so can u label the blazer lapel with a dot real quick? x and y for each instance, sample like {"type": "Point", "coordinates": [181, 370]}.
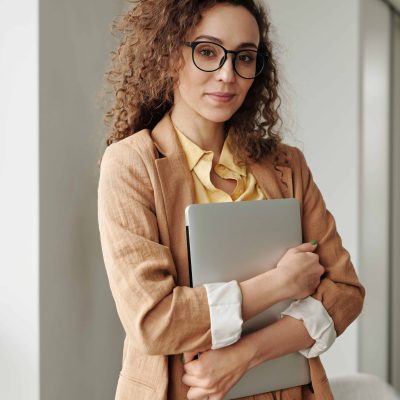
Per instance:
{"type": "Point", "coordinates": [177, 190]}
{"type": "Point", "coordinates": [274, 180]}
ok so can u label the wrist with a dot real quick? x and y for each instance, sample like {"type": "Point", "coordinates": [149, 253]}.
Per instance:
{"type": "Point", "coordinates": [247, 350]}
{"type": "Point", "coordinates": [262, 292]}
{"type": "Point", "coordinates": [280, 284]}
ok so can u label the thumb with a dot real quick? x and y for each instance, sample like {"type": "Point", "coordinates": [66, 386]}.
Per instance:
{"type": "Point", "coordinates": [188, 356]}
{"type": "Point", "coordinates": [308, 246]}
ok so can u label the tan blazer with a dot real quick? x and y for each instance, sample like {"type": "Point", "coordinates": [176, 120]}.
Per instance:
{"type": "Point", "coordinates": [141, 202]}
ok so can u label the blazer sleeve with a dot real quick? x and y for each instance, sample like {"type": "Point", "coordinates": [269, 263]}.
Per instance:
{"type": "Point", "coordinates": [159, 317]}
{"type": "Point", "coordinates": [340, 291]}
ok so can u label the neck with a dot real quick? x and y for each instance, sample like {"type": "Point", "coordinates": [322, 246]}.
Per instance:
{"type": "Point", "coordinates": [208, 135]}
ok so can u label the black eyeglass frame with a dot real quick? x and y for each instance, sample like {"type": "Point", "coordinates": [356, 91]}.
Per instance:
{"type": "Point", "coordinates": [224, 58]}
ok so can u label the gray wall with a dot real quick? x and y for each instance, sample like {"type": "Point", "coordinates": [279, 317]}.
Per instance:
{"type": "Point", "coordinates": [81, 336]}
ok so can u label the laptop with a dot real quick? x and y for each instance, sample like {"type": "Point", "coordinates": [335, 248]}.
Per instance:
{"type": "Point", "coordinates": [238, 240]}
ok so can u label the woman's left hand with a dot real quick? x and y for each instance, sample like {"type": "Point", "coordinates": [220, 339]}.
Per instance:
{"type": "Point", "coordinates": [215, 371]}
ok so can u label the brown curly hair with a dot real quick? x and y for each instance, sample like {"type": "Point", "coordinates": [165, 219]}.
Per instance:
{"type": "Point", "coordinates": [141, 77]}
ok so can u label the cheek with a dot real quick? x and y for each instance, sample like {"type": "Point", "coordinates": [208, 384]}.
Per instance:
{"type": "Point", "coordinates": [246, 85]}
{"type": "Point", "coordinates": [192, 81]}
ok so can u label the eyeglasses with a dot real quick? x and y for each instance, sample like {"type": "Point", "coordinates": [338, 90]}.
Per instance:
{"type": "Point", "coordinates": [210, 56]}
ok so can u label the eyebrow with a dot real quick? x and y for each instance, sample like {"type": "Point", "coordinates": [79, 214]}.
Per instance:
{"type": "Point", "coordinates": [241, 45]}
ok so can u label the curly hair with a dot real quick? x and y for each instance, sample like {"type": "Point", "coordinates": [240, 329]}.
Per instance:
{"type": "Point", "coordinates": [141, 75]}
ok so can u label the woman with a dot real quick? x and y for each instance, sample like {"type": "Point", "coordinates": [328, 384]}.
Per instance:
{"type": "Point", "coordinates": [194, 120]}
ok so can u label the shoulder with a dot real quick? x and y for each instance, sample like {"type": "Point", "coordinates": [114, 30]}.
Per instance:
{"type": "Point", "coordinates": [133, 154]}
{"type": "Point", "coordinates": [288, 155]}
{"type": "Point", "coordinates": [134, 150]}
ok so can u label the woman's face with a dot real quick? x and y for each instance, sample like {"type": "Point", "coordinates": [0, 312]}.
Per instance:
{"type": "Point", "coordinates": [199, 91]}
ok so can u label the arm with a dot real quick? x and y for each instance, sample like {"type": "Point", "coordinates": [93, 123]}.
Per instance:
{"type": "Point", "coordinates": [296, 276]}
{"type": "Point", "coordinates": [216, 371]}
{"type": "Point", "coordinates": [340, 291]}
{"type": "Point", "coordinates": [340, 294]}
{"type": "Point", "coordinates": [285, 336]}
{"type": "Point", "coordinates": [339, 297]}
{"type": "Point", "coordinates": [261, 292]}
{"type": "Point", "coordinates": [159, 317]}
{"type": "Point", "coordinates": [231, 302]}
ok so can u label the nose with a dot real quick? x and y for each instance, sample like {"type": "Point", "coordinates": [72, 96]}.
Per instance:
{"type": "Point", "coordinates": [227, 73]}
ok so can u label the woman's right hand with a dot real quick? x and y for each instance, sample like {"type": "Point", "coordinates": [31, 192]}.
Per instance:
{"type": "Point", "coordinates": [300, 271]}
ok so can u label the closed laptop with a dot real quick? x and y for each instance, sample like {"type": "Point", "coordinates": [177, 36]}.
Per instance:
{"type": "Point", "coordinates": [238, 240]}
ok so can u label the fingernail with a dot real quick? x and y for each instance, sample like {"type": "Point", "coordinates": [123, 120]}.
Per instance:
{"type": "Point", "coordinates": [314, 242]}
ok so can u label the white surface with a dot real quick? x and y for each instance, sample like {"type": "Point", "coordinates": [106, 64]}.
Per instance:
{"type": "Point", "coordinates": [395, 234]}
{"type": "Point", "coordinates": [361, 387]}
{"type": "Point", "coordinates": [19, 265]}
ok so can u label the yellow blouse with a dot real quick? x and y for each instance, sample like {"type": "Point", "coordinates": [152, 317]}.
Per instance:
{"type": "Point", "coordinates": [200, 163]}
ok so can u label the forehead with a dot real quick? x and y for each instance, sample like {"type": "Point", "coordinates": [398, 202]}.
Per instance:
{"type": "Point", "coordinates": [231, 24]}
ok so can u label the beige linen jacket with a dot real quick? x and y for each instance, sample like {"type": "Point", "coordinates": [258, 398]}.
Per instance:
{"type": "Point", "coordinates": [144, 186]}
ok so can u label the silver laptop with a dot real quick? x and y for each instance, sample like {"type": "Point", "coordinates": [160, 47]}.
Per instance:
{"type": "Point", "coordinates": [238, 240]}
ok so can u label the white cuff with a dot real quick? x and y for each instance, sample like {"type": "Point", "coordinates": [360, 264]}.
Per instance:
{"type": "Point", "coordinates": [225, 302]}
{"type": "Point", "coordinates": [317, 321]}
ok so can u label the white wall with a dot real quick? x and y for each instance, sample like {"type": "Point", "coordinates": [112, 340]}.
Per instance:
{"type": "Point", "coordinates": [395, 229]}
{"type": "Point", "coordinates": [318, 46]}
{"type": "Point", "coordinates": [19, 171]}
{"type": "Point", "coordinates": [375, 234]}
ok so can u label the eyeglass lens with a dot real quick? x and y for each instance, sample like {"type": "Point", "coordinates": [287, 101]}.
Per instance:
{"type": "Point", "coordinates": [209, 57]}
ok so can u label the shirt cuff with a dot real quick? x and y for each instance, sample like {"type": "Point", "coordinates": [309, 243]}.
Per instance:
{"type": "Point", "coordinates": [225, 302]}
{"type": "Point", "coordinates": [317, 321]}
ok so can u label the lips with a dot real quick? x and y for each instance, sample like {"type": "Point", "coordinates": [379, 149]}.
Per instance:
{"type": "Point", "coordinates": [221, 96]}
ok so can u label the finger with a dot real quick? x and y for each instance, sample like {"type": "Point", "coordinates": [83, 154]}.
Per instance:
{"type": "Point", "coordinates": [189, 356]}
{"type": "Point", "coordinates": [191, 367]}
{"type": "Point", "coordinates": [197, 393]}
{"type": "Point", "coordinates": [314, 256]}
{"type": "Point", "coordinates": [306, 247]}
{"type": "Point", "coordinates": [217, 396]}
{"type": "Point", "coordinates": [192, 380]}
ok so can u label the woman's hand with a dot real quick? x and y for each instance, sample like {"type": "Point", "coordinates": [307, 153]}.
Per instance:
{"type": "Point", "coordinates": [300, 270]}
{"type": "Point", "coordinates": [215, 372]}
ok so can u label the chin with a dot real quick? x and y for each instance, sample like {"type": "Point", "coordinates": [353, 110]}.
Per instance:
{"type": "Point", "coordinates": [216, 115]}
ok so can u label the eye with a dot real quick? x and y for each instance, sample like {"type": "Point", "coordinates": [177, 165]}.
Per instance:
{"type": "Point", "coordinates": [206, 52]}
{"type": "Point", "coordinates": [246, 58]}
